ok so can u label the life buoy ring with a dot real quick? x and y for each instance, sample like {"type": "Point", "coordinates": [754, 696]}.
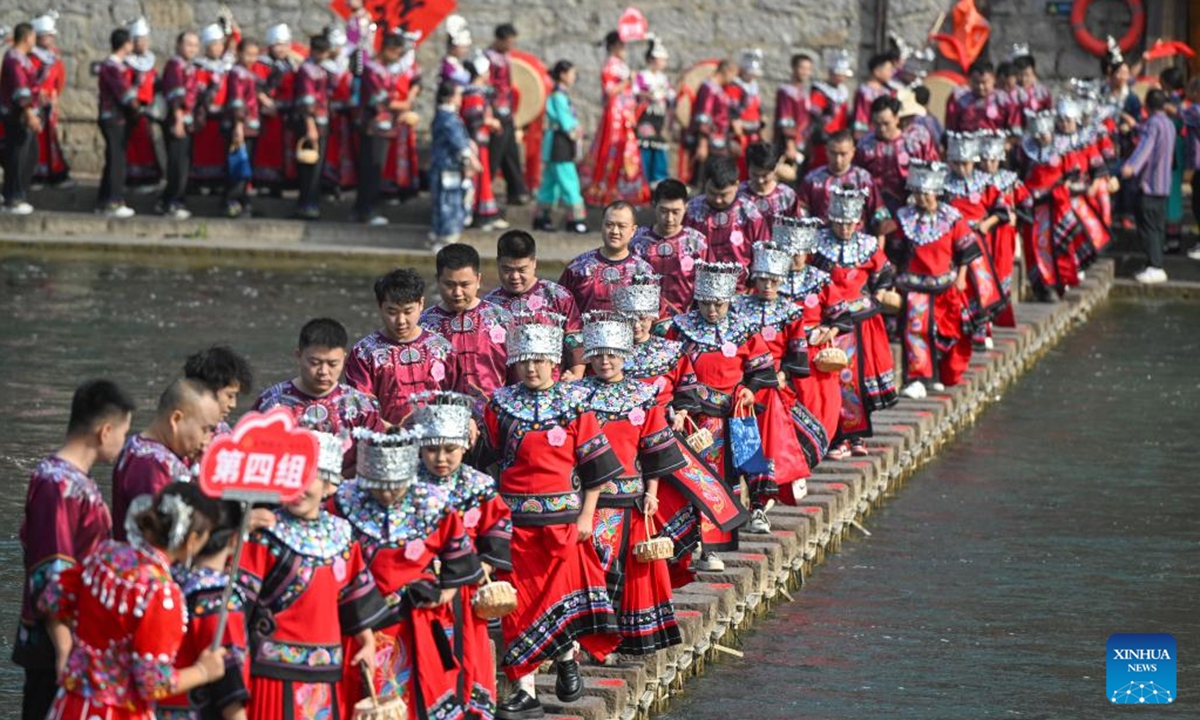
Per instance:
{"type": "Point", "coordinates": [1095, 45]}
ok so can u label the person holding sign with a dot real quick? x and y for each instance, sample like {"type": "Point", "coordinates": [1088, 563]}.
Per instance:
{"type": "Point", "coordinates": [117, 620]}
{"type": "Point", "coordinates": [443, 420]}
{"type": "Point", "coordinates": [404, 527]}
{"type": "Point", "coordinates": [306, 587]}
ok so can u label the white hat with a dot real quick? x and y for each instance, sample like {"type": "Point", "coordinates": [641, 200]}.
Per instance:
{"type": "Point", "coordinates": [45, 24]}
{"type": "Point", "coordinates": [657, 48]}
{"type": "Point", "coordinates": [278, 34]}
{"type": "Point", "coordinates": [640, 296]}
{"type": "Point", "coordinates": [337, 37]}
{"type": "Point", "coordinates": [386, 461]}
{"type": "Point", "coordinates": [331, 455]}
{"type": "Point", "coordinates": [1068, 108]}
{"type": "Point", "coordinates": [909, 107]}
{"type": "Point", "coordinates": [444, 417]}
{"type": "Point", "coordinates": [1039, 123]}
{"type": "Point", "coordinates": [752, 62]}
{"type": "Point", "coordinates": [139, 28]}
{"type": "Point", "coordinates": [212, 33]}
{"type": "Point", "coordinates": [480, 64]}
{"type": "Point", "coordinates": [457, 31]}
{"type": "Point", "coordinates": [839, 63]}
{"type": "Point", "coordinates": [992, 145]}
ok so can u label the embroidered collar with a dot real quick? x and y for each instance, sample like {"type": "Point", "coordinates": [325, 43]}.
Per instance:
{"type": "Point", "coordinates": [761, 313]}
{"type": "Point", "coordinates": [921, 228]}
{"type": "Point", "coordinates": [466, 486]}
{"type": "Point", "coordinates": [805, 282]}
{"type": "Point", "coordinates": [414, 516]}
{"type": "Point", "coordinates": [323, 539]}
{"type": "Point", "coordinates": [850, 253]}
{"type": "Point", "coordinates": [838, 94]}
{"type": "Point", "coordinates": [654, 357]}
{"type": "Point", "coordinates": [973, 186]}
{"type": "Point", "coordinates": [562, 402]}
{"type": "Point", "coordinates": [1040, 154]}
{"type": "Point", "coordinates": [1005, 179]}
{"type": "Point", "coordinates": [72, 482]}
{"type": "Point", "coordinates": [698, 331]}
{"type": "Point", "coordinates": [618, 398]}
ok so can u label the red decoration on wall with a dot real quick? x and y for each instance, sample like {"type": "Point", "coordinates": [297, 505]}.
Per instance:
{"type": "Point", "coordinates": [408, 15]}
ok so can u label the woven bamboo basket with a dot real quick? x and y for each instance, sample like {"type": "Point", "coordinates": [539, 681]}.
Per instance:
{"type": "Point", "coordinates": [374, 708]}
{"type": "Point", "coordinates": [890, 301]}
{"type": "Point", "coordinates": [831, 359]}
{"type": "Point", "coordinates": [701, 439]}
{"type": "Point", "coordinates": [653, 548]}
{"type": "Point", "coordinates": [494, 599]}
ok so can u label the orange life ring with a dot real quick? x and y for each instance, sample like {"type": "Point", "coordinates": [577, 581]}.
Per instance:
{"type": "Point", "coordinates": [1095, 45]}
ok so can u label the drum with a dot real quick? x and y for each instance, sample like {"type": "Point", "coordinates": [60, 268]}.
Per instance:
{"type": "Point", "coordinates": [942, 84]}
{"type": "Point", "coordinates": [689, 83]}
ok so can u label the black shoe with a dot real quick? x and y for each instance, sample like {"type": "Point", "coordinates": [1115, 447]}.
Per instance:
{"type": "Point", "coordinates": [519, 200]}
{"type": "Point", "coordinates": [568, 687]}
{"type": "Point", "coordinates": [542, 223]}
{"type": "Point", "coordinates": [520, 707]}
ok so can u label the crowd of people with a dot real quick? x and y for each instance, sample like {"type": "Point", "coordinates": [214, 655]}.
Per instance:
{"type": "Point", "coordinates": [241, 117]}
{"type": "Point", "coordinates": [675, 383]}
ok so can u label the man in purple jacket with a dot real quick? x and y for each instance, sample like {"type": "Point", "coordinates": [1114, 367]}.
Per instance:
{"type": "Point", "coordinates": [1151, 162]}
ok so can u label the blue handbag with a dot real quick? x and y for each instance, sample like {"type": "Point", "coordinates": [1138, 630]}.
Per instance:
{"type": "Point", "coordinates": [237, 164]}
{"type": "Point", "coordinates": [746, 444]}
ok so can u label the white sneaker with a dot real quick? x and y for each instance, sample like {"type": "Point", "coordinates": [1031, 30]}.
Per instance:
{"type": "Point", "coordinates": [377, 221]}
{"type": "Point", "coordinates": [759, 524]}
{"type": "Point", "coordinates": [120, 212]}
{"type": "Point", "coordinates": [800, 489]}
{"type": "Point", "coordinates": [1082, 275]}
{"type": "Point", "coordinates": [1194, 253]}
{"type": "Point", "coordinates": [181, 213]}
{"type": "Point", "coordinates": [497, 224]}
{"type": "Point", "coordinates": [915, 390]}
{"type": "Point", "coordinates": [1151, 276]}
{"type": "Point", "coordinates": [709, 562]}
{"type": "Point", "coordinates": [989, 343]}
{"type": "Point", "coordinates": [21, 208]}
{"type": "Point", "coordinates": [937, 387]}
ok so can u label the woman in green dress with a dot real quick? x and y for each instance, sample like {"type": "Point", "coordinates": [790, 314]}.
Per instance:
{"type": "Point", "coordinates": [560, 178]}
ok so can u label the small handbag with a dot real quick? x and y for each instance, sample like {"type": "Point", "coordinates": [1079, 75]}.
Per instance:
{"type": "Point", "coordinates": [237, 164]}
{"type": "Point", "coordinates": [653, 548]}
{"type": "Point", "coordinates": [745, 442]}
{"type": "Point", "coordinates": [701, 439]}
{"type": "Point", "coordinates": [494, 599]}
{"type": "Point", "coordinates": [562, 147]}
{"type": "Point", "coordinates": [831, 358]}
{"type": "Point", "coordinates": [307, 152]}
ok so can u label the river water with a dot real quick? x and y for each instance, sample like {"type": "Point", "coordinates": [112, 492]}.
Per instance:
{"type": "Point", "coordinates": [993, 580]}
{"type": "Point", "coordinates": [988, 590]}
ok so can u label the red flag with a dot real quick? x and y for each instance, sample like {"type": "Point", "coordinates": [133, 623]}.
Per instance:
{"type": "Point", "coordinates": [970, 34]}
{"type": "Point", "coordinates": [407, 15]}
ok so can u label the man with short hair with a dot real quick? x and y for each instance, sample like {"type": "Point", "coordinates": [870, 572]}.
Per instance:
{"type": "Point", "coordinates": [377, 112]}
{"type": "Point", "coordinates": [310, 118]}
{"type": "Point", "coordinates": [980, 106]}
{"type": "Point", "coordinates": [730, 222]}
{"type": "Point", "coordinates": [505, 152]}
{"type": "Point", "coordinates": [593, 276]}
{"type": "Point", "coordinates": [401, 358]}
{"type": "Point", "coordinates": [793, 112]}
{"type": "Point", "coordinates": [226, 373]}
{"type": "Point", "coordinates": [831, 105]}
{"type": "Point", "coordinates": [763, 188]}
{"type": "Point", "coordinates": [1151, 163]}
{"type": "Point", "coordinates": [181, 91]}
{"type": "Point", "coordinates": [476, 329]}
{"type": "Point", "coordinates": [817, 187]}
{"type": "Point", "coordinates": [671, 248]}
{"type": "Point", "coordinates": [118, 107]}
{"type": "Point", "coordinates": [881, 66]}
{"type": "Point", "coordinates": [65, 520]}
{"type": "Point", "coordinates": [1032, 94]}
{"type": "Point", "coordinates": [182, 427]}
{"type": "Point", "coordinates": [19, 113]}
{"type": "Point", "coordinates": [886, 151]}
{"type": "Point", "coordinates": [521, 290]}
{"type": "Point", "coordinates": [242, 123]}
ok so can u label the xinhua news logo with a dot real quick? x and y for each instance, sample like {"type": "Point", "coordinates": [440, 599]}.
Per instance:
{"type": "Point", "coordinates": [1141, 669]}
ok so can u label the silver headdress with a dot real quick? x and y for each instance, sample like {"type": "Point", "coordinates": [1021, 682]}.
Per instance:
{"type": "Point", "coordinates": [444, 417]}
{"type": "Point", "coordinates": [992, 145]}
{"type": "Point", "coordinates": [278, 34]}
{"type": "Point", "coordinates": [386, 462]}
{"type": "Point", "coordinates": [180, 513]}
{"type": "Point", "coordinates": [657, 48]}
{"type": "Point", "coordinates": [46, 24]}
{"type": "Point", "coordinates": [535, 336]}
{"type": "Point", "coordinates": [962, 147]}
{"type": "Point", "coordinates": [770, 260]}
{"type": "Point", "coordinates": [796, 235]}
{"type": "Point", "coordinates": [846, 204]}
{"type": "Point", "coordinates": [839, 63]}
{"type": "Point", "coordinates": [1039, 123]}
{"type": "Point", "coordinates": [752, 62]}
{"type": "Point", "coordinates": [1018, 50]}
{"type": "Point", "coordinates": [331, 455]}
{"type": "Point", "coordinates": [457, 31]}
{"type": "Point", "coordinates": [926, 177]}
{"type": "Point", "coordinates": [1115, 57]}
{"type": "Point", "coordinates": [716, 281]}
{"type": "Point", "coordinates": [1068, 108]}
{"type": "Point", "coordinates": [640, 297]}
{"type": "Point", "coordinates": [606, 332]}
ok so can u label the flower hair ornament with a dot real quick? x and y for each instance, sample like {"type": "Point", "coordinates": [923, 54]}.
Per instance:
{"type": "Point", "coordinates": [180, 514]}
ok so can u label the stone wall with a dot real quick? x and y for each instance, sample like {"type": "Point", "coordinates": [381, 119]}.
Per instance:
{"type": "Point", "coordinates": [554, 29]}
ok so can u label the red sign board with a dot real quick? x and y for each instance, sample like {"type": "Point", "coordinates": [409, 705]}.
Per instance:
{"type": "Point", "coordinates": [632, 25]}
{"type": "Point", "coordinates": [265, 459]}
{"type": "Point", "coordinates": [407, 15]}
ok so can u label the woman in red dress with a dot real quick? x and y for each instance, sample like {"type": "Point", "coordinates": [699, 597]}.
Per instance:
{"type": "Point", "coordinates": [338, 170]}
{"type": "Point", "coordinates": [209, 153]}
{"type": "Point", "coordinates": [402, 168]}
{"type": "Point", "coordinates": [614, 167]}
{"type": "Point", "coordinates": [306, 587]}
{"type": "Point", "coordinates": [860, 271]}
{"type": "Point", "coordinates": [118, 619]}
{"type": "Point", "coordinates": [141, 159]}
{"type": "Point", "coordinates": [1049, 168]}
{"type": "Point", "coordinates": [819, 391]}
{"type": "Point", "coordinates": [1001, 242]}
{"type": "Point", "coordinates": [444, 422]}
{"type": "Point", "coordinates": [695, 489]}
{"type": "Point", "coordinates": [732, 362]}
{"type": "Point", "coordinates": [402, 527]}
{"type": "Point", "coordinates": [553, 460]}
{"type": "Point", "coordinates": [636, 427]}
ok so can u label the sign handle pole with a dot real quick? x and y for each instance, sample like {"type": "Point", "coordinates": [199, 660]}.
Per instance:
{"type": "Point", "coordinates": [243, 532]}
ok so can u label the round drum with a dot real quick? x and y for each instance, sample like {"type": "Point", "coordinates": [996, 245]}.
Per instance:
{"type": "Point", "coordinates": [942, 84]}
{"type": "Point", "coordinates": [689, 82]}
{"type": "Point", "coordinates": [532, 83]}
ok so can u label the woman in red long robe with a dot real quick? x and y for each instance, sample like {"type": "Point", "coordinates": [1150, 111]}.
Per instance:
{"type": "Point", "coordinates": [50, 79]}
{"type": "Point", "coordinates": [732, 362]}
{"type": "Point", "coordinates": [859, 271]}
{"type": "Point", "coordinates": [1049, 235]}
{"type": "Point", "coordinates": [445, 422]}
{"type": "Point", "coordinates": [209, 153]}
{"type": "Point", "coordinates": [1001, 242]}
{"type": "Point", "coordinates": [402, 526]}
{"type": "Point", "coordinates": [636, 428]}
{"type": "Point", "coordinates": [402, 168]}
{"type": "Point", "coordinates": [614, 167]}
{"type": "Point", "coordinates": [553, 460]}
{"type": "Point", "coordinates": [338, 172]}
{"type": "Point", "coordinates": [141, 159]}
{"type": "Point", "coordinates": [127, 616]}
